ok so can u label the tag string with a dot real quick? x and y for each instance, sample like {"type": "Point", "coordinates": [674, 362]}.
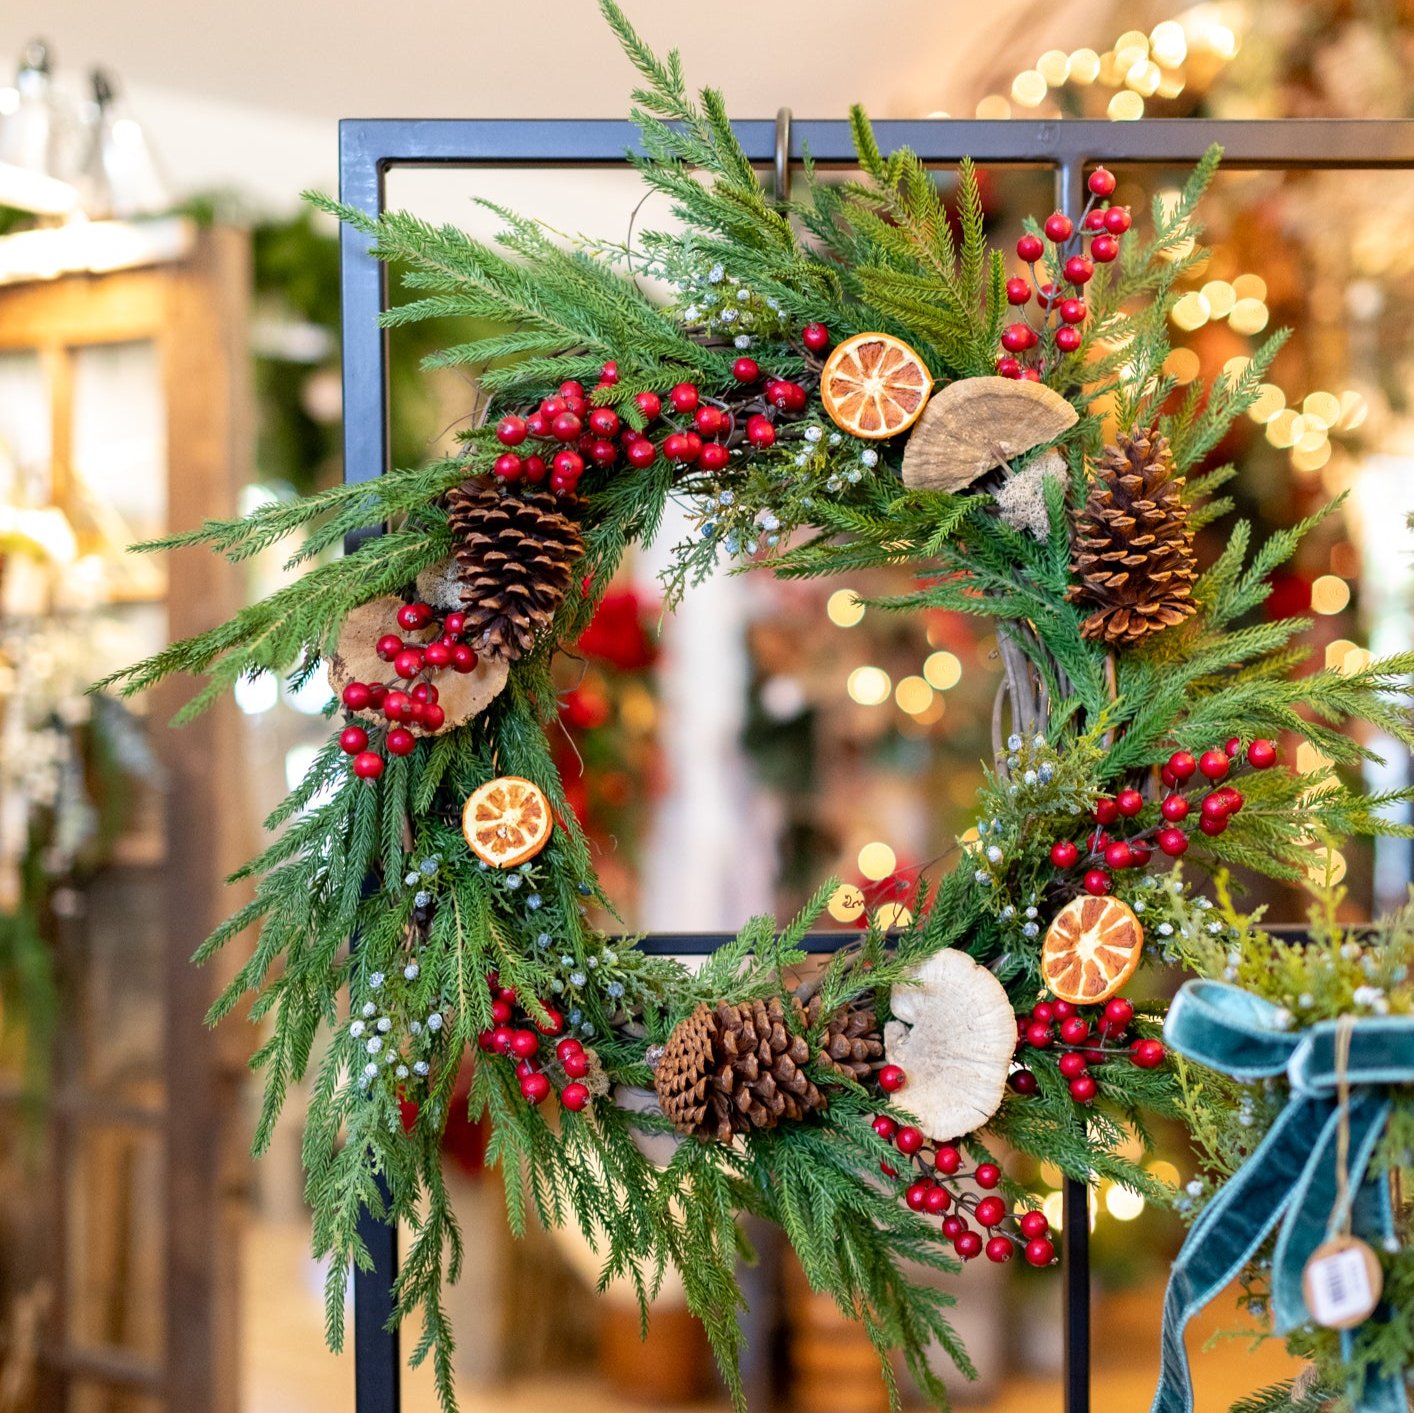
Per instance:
{"type": "Point", "coordinates": [1344, 1027]}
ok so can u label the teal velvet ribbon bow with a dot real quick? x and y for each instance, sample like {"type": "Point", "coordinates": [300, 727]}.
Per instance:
{"type": "Point", "coordinates": [1291, 1178]}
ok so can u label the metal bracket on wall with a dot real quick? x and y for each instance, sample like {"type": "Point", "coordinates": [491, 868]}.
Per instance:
{"type": "Point", "coordinates": [369, 148]}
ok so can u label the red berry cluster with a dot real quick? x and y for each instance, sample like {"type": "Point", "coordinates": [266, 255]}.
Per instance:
{"type": "Point", "coordinates": [569, 420]}
{"type": "Point", "coordinates": [518, 1036]}
{"type": "Point", "coordinates": [1081, 1040]}
{"type": "Point", "coordinates": [937, 1171]}
{"type": "Point", "coordinates": [410, 697]}
{"type": "Point", "coordinates": [1100, 854]}
{"type": "Point", "coordinates": [1063, 310]}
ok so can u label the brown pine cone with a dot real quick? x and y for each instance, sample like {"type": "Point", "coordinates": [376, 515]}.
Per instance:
{"type": "Point", "coordinates": [515, 553]}
{"type": "Point", "coordinates": [851, 1042]}
{"type": "Point", "coordinates": [1133, 544]}
{"type": "Point", "coordinates": [733, 1067]}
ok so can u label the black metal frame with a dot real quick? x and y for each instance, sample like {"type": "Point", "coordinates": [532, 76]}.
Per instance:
{"type": "Point", "coordinates": [368, 148]}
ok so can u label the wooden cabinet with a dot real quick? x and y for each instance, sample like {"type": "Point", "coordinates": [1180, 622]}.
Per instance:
{"type": "Point", "coordinates": [124, 403]}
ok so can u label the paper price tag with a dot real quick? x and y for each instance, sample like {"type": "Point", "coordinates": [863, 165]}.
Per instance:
{"type": "Point", "coordinates": [1342, 1283]}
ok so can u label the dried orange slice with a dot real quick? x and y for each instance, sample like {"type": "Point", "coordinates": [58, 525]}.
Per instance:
{"type": "Point", "coordinates": [1092, 948]}
{"type": "Point", "coordinates": [874, 386]}
{"type": "Point", "coordinates": [506, 821]}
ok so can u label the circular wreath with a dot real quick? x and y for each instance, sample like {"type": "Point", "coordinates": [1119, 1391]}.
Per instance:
{"type": "Point", "coordinates": [854, 380]}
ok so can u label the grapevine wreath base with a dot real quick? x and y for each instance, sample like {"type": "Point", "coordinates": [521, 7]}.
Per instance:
{"type": "Point", "coordinates": [854, 380]}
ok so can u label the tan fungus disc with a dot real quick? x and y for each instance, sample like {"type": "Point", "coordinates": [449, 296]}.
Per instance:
{"type": "Point", "coordinates": [975, 424]}
{"type": "Point", "coordinates": [461, 695]}
{"type": "Point", "coordinates": [954, 1033]}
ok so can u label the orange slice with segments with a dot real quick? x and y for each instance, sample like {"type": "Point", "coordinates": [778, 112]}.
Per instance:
{"type": "Point", "coordinates": [874, 386]}
{"type": "Point", "coordinates": [506, 821]}
{"type": "Point", "coordinates": [1091, 949]}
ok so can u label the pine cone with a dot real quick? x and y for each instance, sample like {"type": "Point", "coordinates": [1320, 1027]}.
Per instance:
{"type": "Point", "coordinates": [851, 1042]}
{"type": "Point", "coordinates": [734, 1067]}
{"type": "Point", "coordinates": [1133, 545]}
{"type": "Point", "coordinates": [515, 554]}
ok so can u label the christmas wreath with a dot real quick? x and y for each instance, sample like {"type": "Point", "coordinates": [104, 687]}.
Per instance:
{"type": "Point", "coordinates": [851, 380]}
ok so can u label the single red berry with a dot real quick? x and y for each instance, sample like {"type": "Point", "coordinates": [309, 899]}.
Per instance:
{"type": "Point", "coordinates": [1083, 1088]}
{"type": "Point", "coordinates": [571, 388]}
{"type": "Point", "coordinates": [1038, 1035]}
{"type": "Point", "coordinates": [609, 373]}
{"type": "Point", "coordinates": [642, 453]}
{"type": "Point", "coordinates": [408, 663]}
{"type": "Point", "coordinates": [538, 424]}
{"type": "Point", "coordinates": [1044, 1011]}
{"type": "Point", "coordinates": [511, 431]}
{"type": "Point", "coordinates": [568, 463]}
{"type": "Point", "coordinates": [414, 615]}
{"type": "Point", "coordinates": [1033, 1224]}
{"type": "Point", "coordinates": [568, 1046]}
{"type": "Point", "coordinates": [1174, 808]}
{"type": "Point", "coordinates": [508, 466]}
{"type": "Point", "coordinates": [1096, 882]}
{"type": "Point", "coordinates": [1039, 1252]}
{"type": "Point", "coordinates": [356, 696]}
{"type": "Point", "coordinates": [816, 337]}
{"type": "Point", "coordinates": [433, 717]}
{"type": "Point", "coordinates": [649, 404]}
{"type": "Point", "coordinates": [525, 1067]}
{"type": "Point", "coordinates": [1094, 219]}
{"type": "Point", "coordinates": [947, 1160]}
{"type": "Point", "coordinates": [938, 1201]}
{"type": "Point", "coordinates": [1105, 810]}
{"type": "Point", "coordinates": [604, 422]}
{"type": "Point", "coordinates": [551, 407]}
{"type": "Point", "coordinates": [999, 1249]}
{"type": "Point", "coordinates": [574, 1096]}
{"type": "Point", "coordinates": [437, 654]}
{"type": "Point", "coordinates": [1008, 367]}
{"type": "Point", "coordinates": [1071, 1064]}
{"type": "Point", "coordinates": [397, 706]}
{"type": "Point", "coordinates": [1051, 295]}
{"type": "Point", "coordinates": [1058, 226]}
{"type": "Point", "coordinates": [1213, 825]}
{"type": "Point", "coordinates": [1214, 806]}
{"type": "Point", "coordinates": [746, 370]}
{"type": "Point", "coordinates": [917, 1196]}
{"type": "Point", "coordinates": [710, 420]}
{"type": "Point", "coordinates": [1213, 764]}
{"type": "Point", "coordinates": [401, 741]}
{"type": "Point", "coordinates": [1129, 803]}
{"type": "Point", "coordinates": [892, 1078]}
{"type": "Point", "coordinates": [991, 1211]}
{"type": "Point", "coordinates": [368, 765]}
{"type": "Point", "coordinates": [535, 1088]}
{"type": "Point", "coordinates": [500, 1012]}
{"type": "Point", "coordinates": [888, 1170]}
{"type": "Point", "coordinates": [352, 740]}
{"type": "Point", "coordinates": [789, 397]}
{"type": "Point", "coordinates": [1073, 311]}
{"type": "Point", "coordinates": [1148, 1053]}
{"type": "Point", "coordinates": [576, 1064]}
{"type": "Point", "coordinates": [566, 427]}
{"type": "Point", "coordinates": [676, 446]}
{"type": "Point", "coordinates": [1068, 340]}
{"type": "Point", "coordinates": [1074, 1030]}
{"type": "Point", "coordinates": [524, 1044]}
{"type": "Point", "coordinates": [987, 1175]}
{"type": "Point", "coordinates": [1117, 1014]}
{"type": "Point", "coordinates": [1103, 249]}
{"type": "Point", "coordinates": [486, 1041]}
{"type": "Point", "coordinates": [1030, 249]}
{"type": "Point", "coordinates": [968, 1245]}
{"type": "Point", "coordinates": [1017, 338]}
{"type": "Point", "coordinates": [501, 1038]}
{"type": "Point", "coordinates": [1174, 842]}
{"type": "Point", "coordinates": [1118, 220]}
{"type": "Point", "coordinates": [953, 1227]}
{"type": "Point", "coordinates": [1078, 270]}
{"type": "Point", "coordinates": [1118, 855]}
{"type": "Point", "coordinates": [1018, 290]}
{"type": "Point", "coordinates": [1031, 375]}
{"type": "Point", "coordinates": [714, 457]}
{"type": "Point", "coordinates": [1261, 755]}
{"type": "Point", "coordinates": [1063, 1009]}
{"type": "Point", "coordinates": [1233, 747]}
{"type": "Point", "coordinates": [453, 623]}
{"type": "Point", "coordinates": [1023, 1082]}
{"type": "Point", "coordinates": [389, 646]}
{"type": "Point", "coordinates": [603, 452]}
{"type": "Point", "coordinates": [533, 469]}
{"type": "Point", "coordinates": [1064, 853]}
{"type": "Point", "coordinates": [885, 1127]}
{"type": "Point", "coordinates": [463, 658]}
{"type": "Point", "coordinates": [909, 1139]}
{"type": "Point", "coordinates": [1182, 765]}
{"type": "Point", "coordinates": [553, 1023]}
{"type": "Point", "coordinates": [684, 397]}
{"type": "Point", "coordinates": [759, 431]}
{"type": "Point", "coordinates": [1101, 182]}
